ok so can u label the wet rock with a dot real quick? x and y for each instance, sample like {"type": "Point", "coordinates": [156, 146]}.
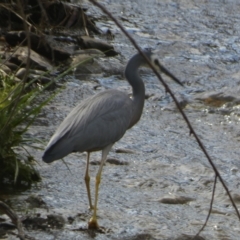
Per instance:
{"type": "Point", "coordinates": [176, 200]}
{"type": "Point", "coordinates": [70, 219]}
{"type": "Point", "coordinates": [5, 68]}
{"type": "Point", "coordinates": [125, 150]}
{"type": "Point", "coordinates": [83, 71]}
{"type": "Point", "coordinates": [95, 162]}
{"type": "Point", "coordinates": [116, 161]}
{"type": "Point", "coordinates": [5, 226]}
{"type": "Point", "coordinates": [32, 73]}
{"type": "Point", "coordinates": [12, 66]}
{"type": "Point", "coordinates": [112, 67]}
{"type": "Point", "coordinates": [215, 99]}
{"type": "Point", "coordinates": [37, 43]}
{"type": "Point", "coordinates": [42, 80]}
{"type": "Point", "coordinates": [111, 161]}
{"type": "Point", "coordinates": [86, 42]}
{"type": "Point", "coordinates": [21, 73]}
{"type": "Point", "coordinates": [84, 63]}
{"type": "Point", "coordinates": [35, 201]}
{"type": "Point", "coordinates": [148, 183]}
{"type": "Point", "coordinates": [36, 222]}
{"type": "Point", "coordinates": [20, 58]}
{"type": "Point", "coordinates": [56, 221]}
{"type": "Point", "coordinates": [217, 211]}
{"type": "Point", "coordinates": [6, 230]}
{"type": "Point", "coordinates": [234, 170]}
{"type": "Point", "coordinates": [3, 218]}
{"type": "Point", "coordinates": [142, 236]}
{"type": "Point", "coordinates": [82, 56]}
{"type": "Point", "coordinates": [39, 78]}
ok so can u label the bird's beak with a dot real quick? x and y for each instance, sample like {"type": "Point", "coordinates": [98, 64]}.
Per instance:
{"type": "Point", "coordinates": [165, 71]}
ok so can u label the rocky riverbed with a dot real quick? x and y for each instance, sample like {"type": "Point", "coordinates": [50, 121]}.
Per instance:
{"type": "Point", "coordinates": [157, 183]}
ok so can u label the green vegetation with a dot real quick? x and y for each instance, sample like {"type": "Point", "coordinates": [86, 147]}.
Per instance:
{"type": "Point", "coordinates": [18, 109]}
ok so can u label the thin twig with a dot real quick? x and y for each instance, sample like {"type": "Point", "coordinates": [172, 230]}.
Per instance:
{"type": "Point", "coordinates": [210, 208]}
{"type": "Point", "coordinates": [192, 131]}
{"type": "Point", "coordinates": [84, 22]}
{"type": "Point", "coordinates": [14, 218]}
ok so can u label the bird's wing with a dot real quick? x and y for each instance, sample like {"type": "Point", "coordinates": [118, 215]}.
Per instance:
{"type": "Point", "coordinates": [93, 124]}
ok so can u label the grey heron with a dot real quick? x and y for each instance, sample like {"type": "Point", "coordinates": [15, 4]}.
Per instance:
{"type": "Point", "coordinates": [100, 121]}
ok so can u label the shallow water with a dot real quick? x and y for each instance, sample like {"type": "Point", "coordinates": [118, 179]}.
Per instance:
{"type": "Point", "coordinates": [198, 41]}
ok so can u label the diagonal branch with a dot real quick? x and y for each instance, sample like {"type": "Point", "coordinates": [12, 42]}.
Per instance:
{"type": "Point", "coordinates": [192, 131]}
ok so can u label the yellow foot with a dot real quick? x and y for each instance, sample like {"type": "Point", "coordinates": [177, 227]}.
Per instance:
{"type": "Point", "coordinates": [92, 224]}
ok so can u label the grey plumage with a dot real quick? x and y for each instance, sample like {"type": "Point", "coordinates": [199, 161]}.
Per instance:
{"type": "Point", "coordinates": [100, 121]}
{"type": "Point", "coordinates": [92, 125]}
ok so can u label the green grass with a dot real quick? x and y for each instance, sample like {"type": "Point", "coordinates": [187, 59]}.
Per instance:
{"type": "Point", "coordinates": [18, 110]}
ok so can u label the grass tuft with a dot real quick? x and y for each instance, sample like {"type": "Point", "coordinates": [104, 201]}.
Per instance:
{"type": "Point", "coordinates": [18, 110]}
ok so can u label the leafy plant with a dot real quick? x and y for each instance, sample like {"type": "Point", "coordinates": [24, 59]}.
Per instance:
{"type": "Point", "coordinates": [18, 110]}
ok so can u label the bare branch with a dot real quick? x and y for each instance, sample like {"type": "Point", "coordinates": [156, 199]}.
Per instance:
{"type": "Point", "coordinates": [14, 218]}
{"type": "Point", "coordinates": [210, 209]}
{"type": "Point", "coordinates": [192, 131]}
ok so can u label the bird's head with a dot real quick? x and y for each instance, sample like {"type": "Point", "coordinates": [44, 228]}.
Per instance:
{"type": "Point", "coordinates": [153, 57]}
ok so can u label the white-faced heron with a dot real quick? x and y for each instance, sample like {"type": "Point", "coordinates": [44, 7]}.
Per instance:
{"type": "Point", "coordinates": [100, 121]}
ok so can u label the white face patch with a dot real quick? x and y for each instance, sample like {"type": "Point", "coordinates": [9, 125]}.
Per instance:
{"type": "Point", "coordinates": [155, 60]}
{"type": "Point", "coordinates": [161, 69]}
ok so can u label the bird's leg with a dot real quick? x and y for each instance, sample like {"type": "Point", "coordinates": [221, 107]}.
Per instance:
{"type": "Point", "coordinates": [93, 221]}
{"type": "Point", "coordinates": [87, 181]}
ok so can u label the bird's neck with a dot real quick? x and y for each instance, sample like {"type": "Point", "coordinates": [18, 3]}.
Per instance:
{"type": "Point", "coordinates": [132, 75]}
